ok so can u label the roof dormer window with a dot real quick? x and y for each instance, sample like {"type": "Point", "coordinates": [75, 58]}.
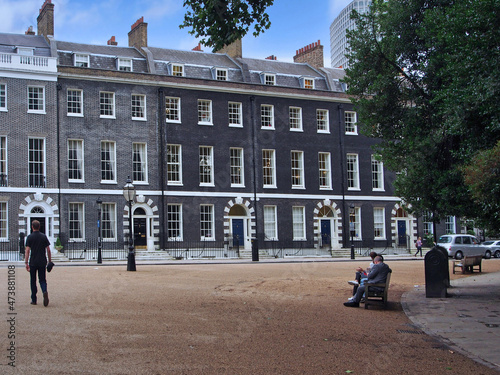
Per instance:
{"type": "Point", "coordinates": [124, 65]}
{"type": "Point", "coordinates": [25, 51]}
{"type": "Point", "coordinates": [307, 82]}
{"type": "Point", "coordinates": [81, 60]}
{"type": "Point", "coordinates": [219, 74]}
{"type": "Point", "coordinates": [268, 79]}
{"type": "Point", "coordinates": [177, 70]}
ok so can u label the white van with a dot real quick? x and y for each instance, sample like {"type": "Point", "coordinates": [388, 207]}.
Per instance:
{"type": "Point", "coordinates": [458, 245]}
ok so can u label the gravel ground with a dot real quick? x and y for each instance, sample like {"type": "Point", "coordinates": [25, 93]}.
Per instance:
{"type": "Point", "coordinates": [258, 318]}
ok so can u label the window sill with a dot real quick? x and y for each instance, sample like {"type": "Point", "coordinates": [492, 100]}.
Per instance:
{"type": "Point", "coordinates": [108, 182]}
{"type": "Point", "coordinates": [297, 130]}
{"type": "Point", "coordinates": [236, 125]}
{"type": "Point", "coordinates": [205, 123]}
{"type": "Point", "coordinates": [74, 114]}
{"type": "Point", "coordinates": [108, 117]}
{"type": "Point", "coordinates": [139, 119]}
{"type": "Point", "coordinates": [76, 181]}
{"type": "Point", "coordinates": [37, 112]}
{"type": "Point", "coordinates": [173, 121]}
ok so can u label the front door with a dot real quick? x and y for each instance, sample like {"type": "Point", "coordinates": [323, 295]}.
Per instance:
{"type": "Point", "coordinates": [401, 233]}
{"type": "Point", "coordinates": [238, 233]}
{"type": "Point", "coordinates": [140, 238]}
{"type": "Point", "coordinates": [326, 232]}
{"type": "Point", "coordinates": [42, 224]}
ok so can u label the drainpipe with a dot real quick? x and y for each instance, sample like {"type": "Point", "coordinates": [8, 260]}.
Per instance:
{"type": "Point", "coordinates": [58, 135]}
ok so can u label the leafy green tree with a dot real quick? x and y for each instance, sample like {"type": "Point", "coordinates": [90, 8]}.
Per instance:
{"type": "Point", "coordinates": [425, 79]}
{"type": "Point", "coordinates": [221, 22]}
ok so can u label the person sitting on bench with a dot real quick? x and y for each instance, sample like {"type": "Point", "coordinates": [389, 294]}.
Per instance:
{"type": "Point", "coordinates": [378, 274]}
{"type": "Point", "coordinates": [361, 275]}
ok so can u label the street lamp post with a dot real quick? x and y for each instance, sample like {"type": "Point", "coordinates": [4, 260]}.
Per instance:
{"type": "Point", "coordinates": [99, 231]}
{"type": "Point", "coordinates": [352, 229]}
{"type": "Point", "coordinates": [129, 194]}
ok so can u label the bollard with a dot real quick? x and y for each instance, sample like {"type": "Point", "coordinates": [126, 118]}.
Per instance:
{"type": "Point", "coordinates": [437, 274]}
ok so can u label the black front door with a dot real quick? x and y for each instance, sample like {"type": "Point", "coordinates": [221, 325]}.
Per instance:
{"type": "Point", "coordinates": [42, 224]}
{"type": "Point", "coordinates": [140, 236]}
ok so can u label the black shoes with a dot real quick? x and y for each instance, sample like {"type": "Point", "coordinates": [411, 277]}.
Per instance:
{"type": "Point", "coordinates": [46, 299]}
{"type": "Point", "coordinates": [32, 303]}
{"type": "Point", "coordinates": [351, 304]}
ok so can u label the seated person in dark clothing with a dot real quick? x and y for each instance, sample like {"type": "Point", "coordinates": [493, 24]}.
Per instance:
{"type": "Point", "coordinates": [362, 274]}
{"type": "Point", "coordinates": [378, 274]}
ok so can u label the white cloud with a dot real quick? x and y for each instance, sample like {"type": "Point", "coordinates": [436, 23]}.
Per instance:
{"type": "Point", "coordinates": [16, 16]}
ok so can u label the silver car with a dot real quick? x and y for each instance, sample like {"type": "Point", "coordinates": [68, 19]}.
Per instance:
{"type": "Point", "coordinates": [460, 245]}
{"type": "Point", "coordinates": [494, 247]}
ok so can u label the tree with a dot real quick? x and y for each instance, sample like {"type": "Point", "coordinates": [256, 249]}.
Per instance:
{"type": "Point", "coordinates": [425, 79]}
{"type": "Point", "coordinates": [221, 22]}
{"type": "Point", "coordinates": [483, 178]}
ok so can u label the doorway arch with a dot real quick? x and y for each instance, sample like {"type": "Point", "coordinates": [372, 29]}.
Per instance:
{"type": "Point", "coordinates": [327, 225]}
{"type": "Point", "coordinates": [239, 223]}
{"type": "Point", "coordinates": [145, 222]}
{"type": "Point", "coordinates": [403, 227]}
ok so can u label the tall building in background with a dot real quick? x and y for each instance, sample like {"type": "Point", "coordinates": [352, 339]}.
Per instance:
{"type": "Point", "coordinates": [343, 22]}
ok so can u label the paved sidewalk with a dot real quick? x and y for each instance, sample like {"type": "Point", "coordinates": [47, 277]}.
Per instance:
{"type": "Point", "coordinates": [468, 321]}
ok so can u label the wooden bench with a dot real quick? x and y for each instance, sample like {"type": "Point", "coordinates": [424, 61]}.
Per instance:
{"type": "Point", "coordinates": [468, 263]}
{"type": "Point", "coordinates": [377, 296]}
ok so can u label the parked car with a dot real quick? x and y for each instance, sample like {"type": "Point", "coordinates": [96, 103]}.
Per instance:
{"type": "Point", "coordinates": [494, 247]}
{"type": "Point", "coordinates": [460, 245]}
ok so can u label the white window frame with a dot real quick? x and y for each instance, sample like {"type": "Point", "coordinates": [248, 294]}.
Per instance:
{"type": "Point", "coordinates": [111, 207]}
{"type": "Point", "coordinates": [379, 223]}
{"type": "Point", "coordinates": [124, 64]}
{"type": "Point", "coordinates": [357, 223]}
{"type": "Point", "coordinates": [177, 69]}
{"type": "Point", "coordinates": [297, 169]}
{"type": "Point", "coordinates": [450, 223]}
{"type": "Point", "coordinates": [174, 161]}
{"type": "Point", "coordinates": [268, 79]}
{"type": "Point", "coordinates": [4, 175]}
{"type": "Point", "coordinates": [269, 168]}
{"type": "Point", "coordinates": [205, 112]}
{"type": "Point", "coordinates": [80, 208]}
{"type": "Point", "coordinates": [35, 101]}
{"type": "Point", "coordinates": [351, 120]}
{"type": "Point", "coordinates": [428, 227]}
{"type": "Point", "coordinates": [237, 167]}
{"type": "Point", "coordinates": [39, 163]}
{"type": "Point", "coordinates": [138, 105]}
{"type": "Point", "coordinates": [81, 60]}
{"type": "Point", "coordinates": [267, 116]}
{"type": "Point", "coordinates": [325, 170]}
{"type": "Point", "coordinates": [175, 217]}
{"type": "Point", "coordinates": [3, 97]}
{"type": "Point", "coordinates": [79, 159]}
{"type": "Point", "coordinates": [107, 104]}
{"type": "Point", "coordinates": [323, 121]}
{"type": "Point", "coordinates": [140, 148]}
{"type": "Point", "coordinates": [111, 161]}
{"type": "Point", "coordinates": [206, 161]}
{"type": "Point", "coordinates": [4, 220]}
{"type": "Point", "coordinates": [235, 114]}
{"type": "Point", "coordinates": [307, 83]}
{"type": "Point", "coordinates": [74, 102]}
{"type": "Point", "coordinates": [352, 161]}
{"type": "Point", "coordinates": [209, 227]}
{"type": "Point", "coordinates": [299, 223]}
{"type": "Point", "coordinates": [173, 109]}
{"type": "Point", "coordinates": [221, 74]}
{"type": "Point", "coordinates": [377, 167]}
{"type": "Point", "coordinates": [270, 223]}
{"type": "Point", "coordinates": [295, 119]}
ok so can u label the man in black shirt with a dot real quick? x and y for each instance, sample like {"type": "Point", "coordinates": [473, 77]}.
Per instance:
{"type": "Point", "coordinates": [36, 261]}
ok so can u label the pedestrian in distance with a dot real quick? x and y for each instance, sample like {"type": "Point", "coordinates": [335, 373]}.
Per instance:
{"type": "Point", "coordinates": [37, 251]}
{"type": "Point", "coordinates": [418, 244]}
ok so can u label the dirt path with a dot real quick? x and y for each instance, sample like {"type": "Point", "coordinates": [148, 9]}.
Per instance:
{"type": "Point", "coordinates": [280, 318]}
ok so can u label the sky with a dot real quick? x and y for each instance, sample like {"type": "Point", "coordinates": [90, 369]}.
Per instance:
{"type": "Point", "coordinates": [294, 23]}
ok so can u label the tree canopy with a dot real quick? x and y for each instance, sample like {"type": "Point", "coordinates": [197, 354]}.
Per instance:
{"type": "Point", "coordinates": [221, 22]}
{"type": "Point", "coordinates": [425, 79]}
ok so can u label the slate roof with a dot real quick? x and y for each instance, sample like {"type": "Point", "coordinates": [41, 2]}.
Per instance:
{"type": "Point", "coordinates": [8, 42]}
{"type": "Point", "coordinates": [193, 57]}
{"type": "Point", "coordinates": [94, 49]}
{"type": "Point", "coordinates": [280, 67]}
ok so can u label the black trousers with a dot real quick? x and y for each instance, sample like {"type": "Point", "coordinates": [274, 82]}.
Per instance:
{"type": "Point", "coordinates": [41, 279]}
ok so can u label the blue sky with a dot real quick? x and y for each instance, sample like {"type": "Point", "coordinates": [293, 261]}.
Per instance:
{"type": "Point", "coordinates": [295, 23]}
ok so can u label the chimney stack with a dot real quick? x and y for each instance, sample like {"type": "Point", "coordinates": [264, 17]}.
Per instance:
{"type": "Point", "coordinates": [112, 41]}
{"type": "Point", "coordinates": [29, 31]}
{"type": "Point", "coordinates": [45, 19]}
{"type": "Point", "coordinates": [197, 48]}
{"type": "Point", "coordinates": [234, 50]}
{"type": "Point", "coordinates": [138, 35]}
{"type": "Point", "coordinates": [272, 57]}
{"type": "Point", "coordinates": [311, 54]}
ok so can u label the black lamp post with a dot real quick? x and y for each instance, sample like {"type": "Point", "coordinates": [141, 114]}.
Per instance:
{"type": "Point", "coordinates": [99, 230]}
{"type": "Point", "coordinates": [129, 194]}
{"type": "Point", "coordinates": [352, 229]}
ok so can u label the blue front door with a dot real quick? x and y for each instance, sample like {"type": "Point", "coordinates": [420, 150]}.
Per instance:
{"type": "Point", "coordinates": [238, 232]}
{"type": "Point", "coordinates": [401, 233]}
{"type": "Point", "coordinates": [326, 232]}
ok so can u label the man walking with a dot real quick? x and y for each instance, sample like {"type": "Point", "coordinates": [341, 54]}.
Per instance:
{"type": "Point", "coordinates": [36, 261]}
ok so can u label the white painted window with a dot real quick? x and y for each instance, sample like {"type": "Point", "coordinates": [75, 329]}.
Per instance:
{"type": "Point", "coordinates": [237, 174]}
{"type": "Point", "coordinates": [107, 104]}
{"type": "Point", "coordinates": [206, 166]}
{"type": "Point", "coordinates": [36, 162]}
{"type": "Point", "coordinates": [4, 221]}
{"type": "Point", "coordinates": [3, 97]}
{"type": "Point", "coordinates": [75, 160]}
{"type": "Point", "coordinates": [377, 174]}
{"type": "Point", "coordinates": [270, 223]}
{"type": "Point", "coordinates": [108, 221]}
{"type": "Point", "coordinates": [297, 169]}
{"type": "Point", "coordinates": [125, 65]}
{"type": "Point", "coordinates": [173, 109]}
{"type": "Point", "coordinates": [207, 222]}
{"type": "Point", "coordinates": [323, 121]}
{"type": "Point", "coordinates": [379, 223]}
{"type": "Point", "coordinates": [174, 165]}
{"type": "Point", "coordinates": [351, 126]}
{"type": "Point", "coordinates": [267, 116]}
{"type": "Point", "coordinates": [235, 114]}
{"type": "Point", "coordinates": [36, 99]}
{"type": "Point", "coordinates": [269, 168]}
{"type": "Point", "coordinates": [299, 223]}
{"type": "Point", "coordinates": [76, 221]}
{"type": "Point", "coordinates": [174, 222]}
{"type": "Point", "coordinates": [178, 70]}
{"type": "Point", "coordinates": [325, 170]}
{"type": "Point", "coordinates": [352, 172]}
{"type": "Point", "coordinates": [138, 107]}
{"type": "Point", "coordinates": [81, 60]}
{"type": "Point", "coordinates": [139, 162]}
{"type": "Point", "coordinates": [108, 161]}
{"type": "Point", "coordinates": [204, 112]}
{"type": "Point", "coordinates": [295, 118]}
{"type": "Point", "coordinates": [3, 162]}
{"type": "Point", "coordinates": [75, 102]}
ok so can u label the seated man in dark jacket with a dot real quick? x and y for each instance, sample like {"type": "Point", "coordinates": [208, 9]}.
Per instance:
{"type": "Point", "coordinates": [378, 274]}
